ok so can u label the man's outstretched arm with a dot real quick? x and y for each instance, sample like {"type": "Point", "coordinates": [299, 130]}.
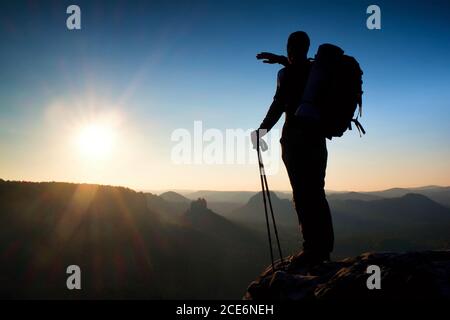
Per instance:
{"type": "Point", "coordinates": [272, 58]}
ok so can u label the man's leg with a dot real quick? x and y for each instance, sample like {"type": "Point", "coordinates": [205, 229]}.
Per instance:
{"type": "Point", "coordinates": [306, 165]}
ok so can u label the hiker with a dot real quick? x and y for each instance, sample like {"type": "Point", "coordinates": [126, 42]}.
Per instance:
{"type": "Point", "coordinates": [304, 149]}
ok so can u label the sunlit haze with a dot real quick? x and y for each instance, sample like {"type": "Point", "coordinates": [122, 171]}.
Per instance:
{"type": "Point", "coordinates": [99, 105]}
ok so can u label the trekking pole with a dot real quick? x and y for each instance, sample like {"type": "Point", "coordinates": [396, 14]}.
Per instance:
{"type": "Point", "coordinates": [273, 219]}
{"type": "Point", "coordinates": [261, 174]}
{"type": "Point", "coordinates": [266, 193]}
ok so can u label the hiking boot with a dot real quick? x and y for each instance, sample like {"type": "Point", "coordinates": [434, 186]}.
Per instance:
{"type": "Point", "coordinates": [307, 259]}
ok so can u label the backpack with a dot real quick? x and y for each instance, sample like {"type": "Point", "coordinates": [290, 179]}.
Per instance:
{"type": "Point", "coordinates": [334, 87]}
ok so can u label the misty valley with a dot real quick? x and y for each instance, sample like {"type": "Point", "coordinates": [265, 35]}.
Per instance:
{"type": "Point", "coordinates": [203, 244]}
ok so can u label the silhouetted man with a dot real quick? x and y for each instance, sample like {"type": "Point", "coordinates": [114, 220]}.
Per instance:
{"type": "Point", "coordinates": [304, 150]}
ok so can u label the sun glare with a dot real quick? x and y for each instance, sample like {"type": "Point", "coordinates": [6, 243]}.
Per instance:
{"type": "Point", "coordinates": [96, 140]}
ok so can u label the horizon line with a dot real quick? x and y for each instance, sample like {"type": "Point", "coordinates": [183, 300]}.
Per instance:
{"type": "Point", "coordinates": [176, 190]}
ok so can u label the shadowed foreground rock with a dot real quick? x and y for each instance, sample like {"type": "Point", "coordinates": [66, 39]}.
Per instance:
{"type": "Point", "coordinates": [404, 276]}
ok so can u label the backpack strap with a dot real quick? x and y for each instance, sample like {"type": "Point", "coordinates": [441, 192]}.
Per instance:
{"type": "Point", "coordinates": [358, 126]}
{"type": "Point", "coordinates": [359, 105]}
{"type": "Point", "coordinates": [355, 121]}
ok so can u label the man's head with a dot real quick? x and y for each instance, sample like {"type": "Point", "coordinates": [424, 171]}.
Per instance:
{"type": "Point", "coordinates": [297, 47]}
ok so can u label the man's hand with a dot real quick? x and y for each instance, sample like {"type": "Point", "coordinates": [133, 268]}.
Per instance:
{"type": "Point", "coordinates": [272, 58]}
{"type": "Point", "coordinates": [254, 138]}
{"type": "Point", "coordinates": [268, 57]}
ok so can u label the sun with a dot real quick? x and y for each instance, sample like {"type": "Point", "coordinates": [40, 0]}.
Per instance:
{"type": "Point", "coordinates": [96, 140]}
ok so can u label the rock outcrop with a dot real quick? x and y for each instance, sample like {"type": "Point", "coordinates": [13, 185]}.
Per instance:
{"type": "Point", "coordinates": [404, 276]}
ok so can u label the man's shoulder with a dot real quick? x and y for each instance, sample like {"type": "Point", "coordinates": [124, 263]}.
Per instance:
{"type": "Point", "coordinates": [304, 68]}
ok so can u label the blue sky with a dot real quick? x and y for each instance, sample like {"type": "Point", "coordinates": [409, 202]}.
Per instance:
{"type": "Point", "coordinates": [169, 63]}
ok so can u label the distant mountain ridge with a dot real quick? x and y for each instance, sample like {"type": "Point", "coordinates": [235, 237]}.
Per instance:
{"type": "Point", "coordinates": [229, 196]}
{"type": "Point", "coordinates": [403, 223]}
{"type": "Point", "coordinates": [174, 197]}
{"type": "Point", "coordinates": [253, 211]}
{"type": "Point", "coordinates": [352, 196]}
{"type": "Point", "coordinates": [199, 217]}
{"type": "Point", "coordinates": [410, 210]}
{"type": "Point", "coordinates": [436, 193]}
{"type": "Point", "coordinates": [440, 194]}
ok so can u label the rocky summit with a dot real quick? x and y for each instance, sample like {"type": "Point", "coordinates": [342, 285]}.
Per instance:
{"type": "Point", "coordinates": [401, 276]}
